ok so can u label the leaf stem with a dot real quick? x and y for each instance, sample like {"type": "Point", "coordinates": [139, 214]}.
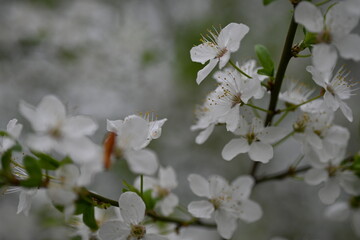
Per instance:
{"type": "Point", "coordinates": [256, 107]}
{"type": "Point", "coordinates": [298, 105]}
{"type": "Point", "coordinates": [238, 69]}
{"type": "Point", "coordinates": [281, 118]}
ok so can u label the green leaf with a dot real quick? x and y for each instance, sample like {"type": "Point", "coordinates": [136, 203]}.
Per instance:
{"type": "Point", "coordinates": [80, 207]}
{"type": "Point", "coordinates": [265, 72]}
{"type": "Point", "coordinates": [267, 2]}
{"type": "Point", "coordinates": [130, 187]}
{"type": "Point", "coordinates": [34, 171]}
{"type": "Point", "coordinates": [46, 162]}
{"type": "Point", "coordinates": [265, 60]}
{"type": "Point", "coordinates": [6, 162]}
{"type": "Point", "coordinates": [149, 201]}
{"type": "Point", "coordinates": [66, 160]}
{"type": "Point", "coordinates": [89, 217]}
{"type": "Point", "coordinates": [4, 134]}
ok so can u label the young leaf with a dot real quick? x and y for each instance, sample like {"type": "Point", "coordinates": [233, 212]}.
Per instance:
{"type": "Point", "coordinates": [265, 60]}
{"type": "Point", "coordinates": [34, 171]}
{"type": "Point", "coordinates": [267, 2]}
{"type": "Point", "coordinates": [149, 201]}
{"type": "Point", "coordinates": [46, 162]}
{"type": "Point", "coordinates": [6, 162]}
{"type": "Point", "coordinates": [89, 217]}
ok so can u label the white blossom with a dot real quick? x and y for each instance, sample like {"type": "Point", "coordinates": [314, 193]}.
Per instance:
{"type": "Point", "coordinates": [132, 135]}
{"type": "Point", "coordinates": [62, 190]}
{"type": "Point", "coordinates": [254, 139]}
{"type": "Point", "coordinates": [217, 48]}
{"type": "Point", "coordinates": [296, 93]}
{"type": "Point", "coordinates": [224, 202]}
{"type": "Point", "coordinates": [332, 30]}
{"type": "Point", "coordinates": [132, 209]}
{"type": "Point", "coordinates": [337, 88]}
{"type": "Point", "coordinates": [161, 189]}
{"type": "Point", "coordinates": [56, 131]}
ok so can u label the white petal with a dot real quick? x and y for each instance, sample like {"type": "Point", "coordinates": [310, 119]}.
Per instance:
{"type": "Point", "coordinates": [350, 182]}
{"type": "Point", "coordinates": [224, 60]}
{"type": "Point", "coordinates": [113, 126]}
{"type": "Point", "coordinates": [316, 176]}
{"type": "Point", "coordinates": [203, 53]}
{"type": "Point", "coordinates": [133, 132]}
{"type": "Point", "coordinates": [132, 208]}
{"type": "Point", "coordinates": [155, 128]}
{"type": "Point", "coordinates": [310, 16]}
{"type": "Point", "coordinates": [261, 152]}
{"type": "Point", "coordinates": [339, 21]}
{"type": "Point", "coordinates": [143, 161]}
{"type": "Point", "coordinates": [226, 224]}
{"type": "Point", "coordinates": [13, 128]}
{"type": "Point", "coordinates": [199, 185]}
{"type": "Point", "coordinates": [25, 200]}
{"type": "Point", "coordinates": [201, 209]}
{"type": "Point", "coordinates": [324, 59]}
{"type": "Point", "coordinates": [330, 101]}
{"type": "Point", "coordinates": [167, 178]}
{"type": "Point", "coordinates": [168, 204]}
{"type": "Point", "coordinates": [234, 148]}
{"type": "Point", "coordinates": [313, 139]}
{"type": "Point", "coordinates": [231, 36]}
{"type": "Point", "coordinates": [348, 47]}
{"type": "Point", "coordinates": [41, 143]}
{"type": "Point", "coordinates": [114, 230]}
{"type": "Point", "coordinates": [338, 211]}
{"type": "Point", "coordinates": [81, 150]}
{"type": "Point", "coordinates": [203, 73]}
{"type": "Point", "coordinates": [218, 185]}
{"type": "Point", "coordinates": [242, 187]}
{"type": "Point", "coordinates": [204, 135]}
{"type": "Point", "coordinates": [79, 126]}
{"type": "Point", "coordinates": [250, 211]}
{"type": "Point", "coordinates": [232, 118]}
{"type": "Point", "coordinates": [330, 192]}
{"type": "Point", "coordinates": [346, 110]}
{"type": "Point", "coordinates": [272, 134]}
{"type": "Point", "coordinates": [316, 76]}
{"type": "Point", "coordinates": [51, 110]}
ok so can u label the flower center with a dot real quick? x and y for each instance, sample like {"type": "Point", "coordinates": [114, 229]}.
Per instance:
{"type": "Point", "coordinates": [330, 89]}
{"type": "Point", "coordinates": [251, 137]}
{"type": "Point", "coordinates": [324, 37]}
{"type": "Point", "coordinates": [137, 232]}
{"type": "Point", "coordinates": [221, 52]}
{"type": "Point", "coordinates": [162, 192]}
{"type": "Point", "coordinates": [236, 99]}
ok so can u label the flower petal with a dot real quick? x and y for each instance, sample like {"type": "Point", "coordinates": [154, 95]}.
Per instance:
{"type": "Point", "coordinates": [324, 60]}
{"type": "Point", "coordinates": [203, 73]}
{"type": "Point", "coordinates": [338, 211]}
{"type": "Point", "coordinates": [261, 152]}
{"type": "Point", "coordinates": [132, 208]}
{"type": "Point", "coordinates": [79, 126]}
{"type": "Point", "coordinates": [142, 161]}
{"type": "Point", "coordinates": [242, 187]}
{"type": "Point", "coordinates": [250, 211]}
{"type": "Point", "coordinates": [168, 204]}
{"type": "Point", "coordinates": [310, 16]}
{"type": "Point", "coordinates": [113, 126]}
{"type": "Point", "coordinates": [199, 185]}
{"type": "Point", "coordinates": [272, 134]}
{"type": "Point", "coordinates": [346, 110]}
{"type": "Point", "coordinates": [339, 21]}
{"type": "Point", "coordinates": [330, 192]}
{"type": "Point", "coordinates": [205, 134]}
{"type": "Point", "coordinates": [133, 133]}
{"type": "Point", "coordinates": [226, 224]}
{"type": "Point", "coordinates": [231, 36]}
{"type": "Point", "coordinates": [201, 209]}
{"type": "Point", "coordinates": [234, 148]}
{"type": "Point", "coordinates": [203, 52]}
{"type": "Point", "coordinates": [316, 176]}
{"type": "Point", "coordinates": [114, 230]}
{"type": "Point", "coordinates": [348, 47]}
{"type": "Point", "coordinates": [153, 236]}
{"type": "Point", "coordinates": [218, 185]}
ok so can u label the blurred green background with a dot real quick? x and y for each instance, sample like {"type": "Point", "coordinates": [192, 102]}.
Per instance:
{"type": "Point", "coordinates": [112, 58]}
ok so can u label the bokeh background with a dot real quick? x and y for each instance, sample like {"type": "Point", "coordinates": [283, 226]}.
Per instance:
{"type": "Point", "coordinates": [112, 58]}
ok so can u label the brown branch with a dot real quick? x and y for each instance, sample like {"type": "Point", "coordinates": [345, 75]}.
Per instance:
{"type": "Point", "coordinates": [290, 172]}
